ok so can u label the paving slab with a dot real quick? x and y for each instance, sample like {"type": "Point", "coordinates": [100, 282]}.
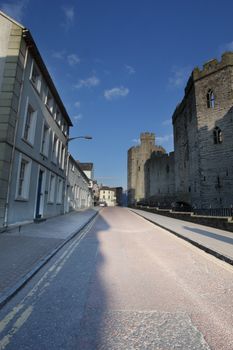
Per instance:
{"type": "Point", "coordinates": [26, 249]}
{"type": "Point", "coordinates": [215, 241]}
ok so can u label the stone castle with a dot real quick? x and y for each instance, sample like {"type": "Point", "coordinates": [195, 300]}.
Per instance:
{"type": "Point", "coordinates": [200, 170]}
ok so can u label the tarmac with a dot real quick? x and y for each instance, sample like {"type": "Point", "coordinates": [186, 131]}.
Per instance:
{"type": "Point", "coordinates": [212, 240]}
{"type": "Point", "coordinates": [25, 249]}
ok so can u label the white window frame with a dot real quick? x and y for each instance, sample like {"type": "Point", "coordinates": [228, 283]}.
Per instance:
{"type": "Point", "coordinates": [59, 190]}
{"type": "Point", "coordinates": [55, 146]}
{"type": "Point", "coordinates": [49, 102]}
{"type": "Point", "coordinates": [38, 82]}
{"type": "Point", "coordinates": [45, 144]}
{"type": "Point", "coordinates": [27, 177]}
{"type": "Point", "coordinates": [52, 185]}
{"type": "Point", "coordinates": [32, 129]}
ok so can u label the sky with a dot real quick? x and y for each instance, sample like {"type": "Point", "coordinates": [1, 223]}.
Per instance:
{"type": "Point", "coordinates": [121, 66]}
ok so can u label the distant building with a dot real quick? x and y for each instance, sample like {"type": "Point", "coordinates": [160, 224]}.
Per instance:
{"type": "Point", "coordinates": [108, 195]}
{"type": "Point", "coordinates": [79, 194]}
{"type": "Point", "coordinates": [137, 157]}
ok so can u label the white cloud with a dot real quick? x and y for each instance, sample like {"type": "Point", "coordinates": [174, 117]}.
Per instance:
{"type": "Point", "coordinates": [15, 10]}
{"type": "Point", "coordinates": [77, 117]}
{"type": "Point", "coordinates": [77, 104]}
{"type": "Point", "coordinates": [59, 55]}
{"type": "Point", "coordinates": [167, 122]}
{"type": "Point", "coordinates": [179, 76]}
{"type": "Point", "coordinates": [89, 82]}
{"type": "Point", "coordinates": [136, 141]}
{"type": "Point", "coordinates": [115, 93]}
{"type": "Point", "coordinates": [227, 47]}
{"type": "Point", "coordinates": [165, 138]}
{"type": "Point", "coordinates": [73, 59]}
{"type": "Point", "coordinates": [69, 16]}
{"type": "Point", "coordinates": [130, 69]}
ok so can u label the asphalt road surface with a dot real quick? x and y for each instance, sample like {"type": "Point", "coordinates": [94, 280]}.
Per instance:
{"type": "Point", "coordinates": [123, 283]}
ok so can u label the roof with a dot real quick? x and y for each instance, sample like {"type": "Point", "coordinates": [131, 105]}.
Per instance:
{"type": "Point", "coordinates": [36, 55]}
{"type": "Point", "coordinates": [86, 166]}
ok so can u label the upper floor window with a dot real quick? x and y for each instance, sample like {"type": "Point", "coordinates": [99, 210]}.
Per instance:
{"type": "Point", "coordinates": [36, 77]}
{"type": "Point", "coordinates": [45, 141]}
{"type": "Point", "coordinates": [217, 135]}
{"type": "Point", "coordinates": [30, 124]}
{"type": "Point", "coordinates": [51, 193]}
{"type": "Point", "coordinates": [210, 99]}
{"type": "Point", "coordinates": [49, 102]}
{"type": "Point", "coordinates": [55, 149]}
{"type": "Point", "coordinates": [23, 183]}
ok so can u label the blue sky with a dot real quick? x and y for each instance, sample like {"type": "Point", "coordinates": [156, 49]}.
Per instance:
{"type": "Point", "coordinates": [121, 66]}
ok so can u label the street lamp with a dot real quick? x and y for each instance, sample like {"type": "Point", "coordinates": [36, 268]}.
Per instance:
{"type": "Point", "coordinates": [87, 137]}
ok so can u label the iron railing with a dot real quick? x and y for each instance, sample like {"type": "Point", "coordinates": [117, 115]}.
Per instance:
{"type": "Point", "coordinates": [227, 212]}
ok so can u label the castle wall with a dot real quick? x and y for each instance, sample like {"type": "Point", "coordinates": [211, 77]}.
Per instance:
{"type": "Point", "coordinates": [160, 178]}
{"type": "Point", "coordinates": [216, 160]}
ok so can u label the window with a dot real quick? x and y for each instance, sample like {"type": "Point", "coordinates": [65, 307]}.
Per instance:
{"type": "Point", "coordinates": [36, 77]}
{"type": "Point", "coordinates": [49, 102]}
{"type": "Point", "coordinates": [23, 184]}
{"type": "Point", "coordinates": [55, 149]}
{"type": "Point", "coordinates": [30, 124]}
{"type": "Point", "coordinates": [52, 188]}
{"type": "Point", "coordinates": [59, 191]}
{"type": "Point", "coordinates": [63, 157]}
{"type": "Point", "coordinates": [210, 99]}
{"type": "Point", "coordinates": [217, 135]}
{"type": "Point", "coordinates": [45, 141]}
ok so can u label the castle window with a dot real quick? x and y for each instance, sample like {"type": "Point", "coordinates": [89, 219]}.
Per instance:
{"type": "Point", "coordinates": [210, 99]}
{"type": "Point", "coordinates": [167, 168]}
{"type": "Point", "coordinates": [217, 135]}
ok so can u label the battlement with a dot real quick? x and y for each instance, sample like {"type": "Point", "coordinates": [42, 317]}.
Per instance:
{"type": "Point", "coordinates": [147, 136]}
{"type": "Point", "coordinates": [213, 66]}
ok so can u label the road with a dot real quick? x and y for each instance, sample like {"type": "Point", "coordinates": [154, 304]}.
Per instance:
{"type": "Point", "coordinates": [123, 283]}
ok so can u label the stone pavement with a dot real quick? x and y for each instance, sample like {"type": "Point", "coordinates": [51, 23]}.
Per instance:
{"type": "Point", "coordinates": [214, 241]}
{"type": "Point", "coordinates": [23, 251]}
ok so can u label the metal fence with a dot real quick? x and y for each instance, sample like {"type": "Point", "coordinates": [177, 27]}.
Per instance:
{"type": "Point", "coordinates": [227, 212]}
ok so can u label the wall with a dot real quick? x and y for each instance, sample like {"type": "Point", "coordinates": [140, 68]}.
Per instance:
{"type": "Point", "coordinates": [160, 179]}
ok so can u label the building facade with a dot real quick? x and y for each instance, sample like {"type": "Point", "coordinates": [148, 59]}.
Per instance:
{"type": "Point", "coordinates": [34, 131]}
{"type": "Point", "coordinates": [108, 195]}
{"type": "Point", "coordinates": [203, 130]}
{"type": "Point", "coordinates": [137, 157]}
{"type": "Point", "coordinates": [79, 194]}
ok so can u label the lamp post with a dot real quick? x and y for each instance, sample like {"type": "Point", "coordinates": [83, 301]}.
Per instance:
{"type": "Point", "coordinates": [86, 137]}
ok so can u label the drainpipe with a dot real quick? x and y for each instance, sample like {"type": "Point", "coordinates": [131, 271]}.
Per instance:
{"type": "Point", "coordinates": [5, 224]}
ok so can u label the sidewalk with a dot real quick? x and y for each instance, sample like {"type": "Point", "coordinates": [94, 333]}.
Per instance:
{"type": "Point", "coordinates": [25, 252]}
{"type": "Point", "coordinates": [212, 240]}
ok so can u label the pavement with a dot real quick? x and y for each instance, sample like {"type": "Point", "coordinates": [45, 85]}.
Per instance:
{"type": "Point", "coordinates": [212, 240]}
{"type": "Point", "coordinates": [24, 250]}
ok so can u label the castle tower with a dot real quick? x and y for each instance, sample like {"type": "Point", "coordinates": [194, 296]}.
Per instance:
{"type": "Point", "coordinates": [137, 157]}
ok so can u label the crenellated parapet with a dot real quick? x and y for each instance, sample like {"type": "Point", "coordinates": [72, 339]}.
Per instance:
{"type": "Point", "coordinates": [212, 66]}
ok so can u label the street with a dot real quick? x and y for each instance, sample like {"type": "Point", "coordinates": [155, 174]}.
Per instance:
{"type": "Point", "coordinates": [123, 283]}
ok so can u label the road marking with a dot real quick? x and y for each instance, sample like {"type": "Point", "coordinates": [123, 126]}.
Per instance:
{"type": "Point", "coordinates": [47, 277]}
{"type": "Point", "coordinates": [16, 327]}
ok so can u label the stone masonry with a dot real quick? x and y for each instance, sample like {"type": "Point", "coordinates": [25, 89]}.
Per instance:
{"type": "Point", "coordinates": [137, 157]}
{"type": "Point", "coordinates": [200, 172]}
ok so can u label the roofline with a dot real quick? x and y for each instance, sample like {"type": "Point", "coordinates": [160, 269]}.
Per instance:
{"type": "Point", "coordinates": [36, 54]}
{"type": "Point", "coordinates": [81, 171]}
{"type": "Point", "coordinates": [11, 19]}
